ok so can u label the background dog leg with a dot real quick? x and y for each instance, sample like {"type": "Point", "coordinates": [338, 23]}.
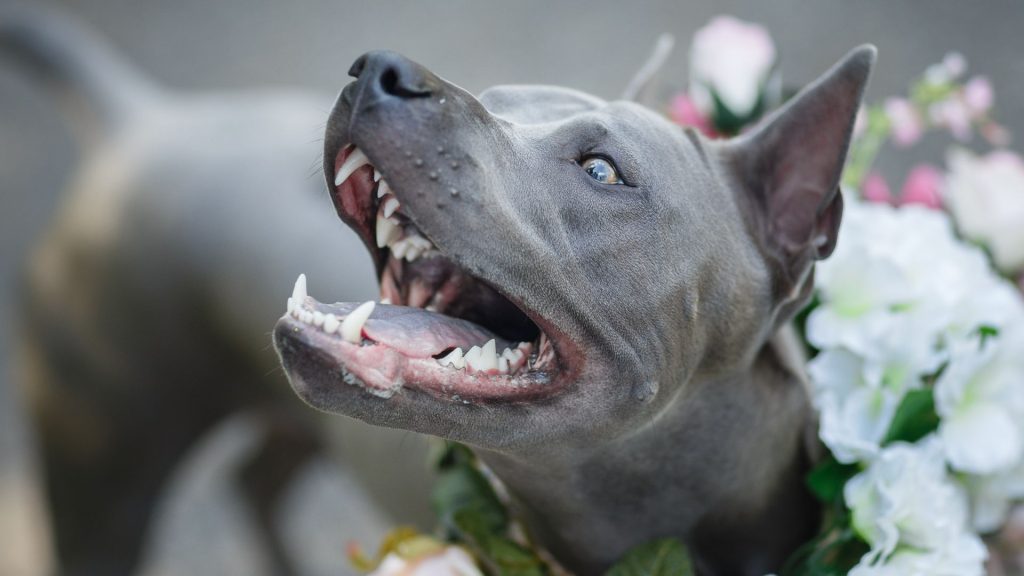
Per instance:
{"type": "Point", "coordinates": [287, 446]}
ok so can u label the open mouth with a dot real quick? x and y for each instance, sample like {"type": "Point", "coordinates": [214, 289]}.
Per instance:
{"type": "Point", "coordinates": [436, 328]}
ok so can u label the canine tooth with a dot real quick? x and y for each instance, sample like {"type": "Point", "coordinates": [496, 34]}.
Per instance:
{"type": "Point", "coordinates": [299, 291]}
{"type": "Point", "coordinates": [390, 205]}
{"type": "Point", "coordinates": [376, 175]}
{"type": "Point", "coordinates": [331, 323]}
{"type": "Point", "coordinates": [387, 231]}
{"type": "Point", "coordinates": [355, 161]}
{"type": "Point", "coordinates": [383, 189]}
{"type": "Point", "coordinates": [291, 305]}
{"type": "Point", "coordinates": [352, 326]}
{"type": "Point", "coordinates": [318, 318]}
{"type": "Point", "coordinates": [454, 359]}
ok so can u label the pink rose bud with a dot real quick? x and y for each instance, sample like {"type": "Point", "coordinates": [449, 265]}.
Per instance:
{"type": "Point", "coordinates": [876, 189]}
{"type": "Point", "coordinates": [923, 187]}
{"type": "Point", "coordinates": [905, 120]}
{"type": "Point", "coordinates": [685, 112]}
{"type": "Point", "coordinates": [731, 60]}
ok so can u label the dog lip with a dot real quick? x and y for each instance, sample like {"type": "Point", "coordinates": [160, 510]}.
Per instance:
{"type": "Point", "coordinates": [382, 369]}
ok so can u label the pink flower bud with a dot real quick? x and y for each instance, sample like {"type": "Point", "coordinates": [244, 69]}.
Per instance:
{"type": "Point", "coordinates": [685, 112]}
{"type": "Point", "coordinates": [876, 189]}
{"type": "Point", "coordinates": [923, 187]}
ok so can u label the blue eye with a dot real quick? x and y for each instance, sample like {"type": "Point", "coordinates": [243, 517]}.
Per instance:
{"type": "Point", "coordinates": [601, 170]}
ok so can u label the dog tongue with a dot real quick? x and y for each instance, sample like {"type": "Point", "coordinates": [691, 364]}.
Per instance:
{"type": "Point", "coordinates": [415, 332]}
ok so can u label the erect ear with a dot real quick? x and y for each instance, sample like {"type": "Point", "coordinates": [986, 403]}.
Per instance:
{"type": "Point", "coordinates": [789, 167]}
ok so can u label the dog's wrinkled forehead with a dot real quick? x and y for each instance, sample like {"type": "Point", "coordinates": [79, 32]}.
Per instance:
{"type": "Point", "coordinates": [537, 104]}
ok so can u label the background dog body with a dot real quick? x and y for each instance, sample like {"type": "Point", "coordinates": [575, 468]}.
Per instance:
{"type": "Point", "coordinates": [147, 306]}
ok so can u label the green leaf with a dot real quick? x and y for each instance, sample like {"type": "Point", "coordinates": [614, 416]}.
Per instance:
{"type": "Point", "coordinates": [499, 554]}
{"type": "Point", "coordinates": [915, 417]}
{"type": "Point", "coordinates": [986, 332]}
{"type": "Point", "coordinates": [462, 489]}
{"type": "Point", "coordinates": [827, 479]}
{"type": "Point", "coordinates": [665, 557]}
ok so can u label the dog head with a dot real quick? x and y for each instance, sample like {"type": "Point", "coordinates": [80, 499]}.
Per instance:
{"type": "Point", "coordinates": [559, 268]}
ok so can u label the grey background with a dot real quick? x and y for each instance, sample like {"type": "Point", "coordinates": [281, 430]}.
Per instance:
{"type": "Point", "coordinates": [594, 46]}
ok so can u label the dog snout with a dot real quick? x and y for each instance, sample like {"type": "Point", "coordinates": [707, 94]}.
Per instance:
{"type": "Point", "coordinates": [384, 74]}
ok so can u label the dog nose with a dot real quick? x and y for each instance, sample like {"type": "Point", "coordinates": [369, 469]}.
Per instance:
{"type": "Point", "coordinates": [389, 74]}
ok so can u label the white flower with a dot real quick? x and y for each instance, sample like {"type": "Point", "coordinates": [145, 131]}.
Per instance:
{"type": "Point", "coordinates": [986, 196]}
{"type": "Point", "coordinates": [906, 500]}
{"type": "Point", "coordinates": [992, 497]}
{"type": "Point", "coordinates": [963, 557]}
{"type": "Point", "coordinates": [980, 397]}
{"type": "Point", "coordinates": [450, 561]}
{"type": "Point", "coordinates": [857, 395]}
{"type": "Point", "coordinates": [733, 60]}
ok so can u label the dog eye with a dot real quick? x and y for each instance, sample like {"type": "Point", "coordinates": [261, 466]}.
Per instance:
{"type": "Point", "coordinates": [601, 170]}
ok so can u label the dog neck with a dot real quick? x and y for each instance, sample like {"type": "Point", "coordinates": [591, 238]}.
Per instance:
{"type": "Point", "coordinates": [590, 505]}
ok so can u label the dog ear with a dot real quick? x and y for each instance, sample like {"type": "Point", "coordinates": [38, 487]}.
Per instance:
{"type": "Point", "coordinates": [789, 167]}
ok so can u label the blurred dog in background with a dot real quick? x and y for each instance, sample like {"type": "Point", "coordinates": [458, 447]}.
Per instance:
{"type": "Point", "coordinates": [147, 302]}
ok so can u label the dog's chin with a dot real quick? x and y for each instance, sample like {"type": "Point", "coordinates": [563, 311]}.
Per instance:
{"type": "Point", "coordinates": [436, 329]}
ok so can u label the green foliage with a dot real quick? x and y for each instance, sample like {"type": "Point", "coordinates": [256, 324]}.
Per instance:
{"type": "Point", "coordinates": [472, 514]}
{"type": "Point", "coordinates": [728, 122]}
{"type": "Point", "coordinates": [665, 557]}
{"type": "Point", "coordinates": [827, 479]}
{"type": "Point", "coordinates": [915, 417]}
{"type": "Point", "coordinates": [461, 488]}
{"type": "Point", "coordinates": [800, 322]}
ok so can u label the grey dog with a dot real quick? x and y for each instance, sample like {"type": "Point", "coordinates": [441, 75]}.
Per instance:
{"type": "Point", "coordinates": [595, 299]}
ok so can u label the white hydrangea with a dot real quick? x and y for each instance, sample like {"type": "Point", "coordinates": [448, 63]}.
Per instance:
{"type": "Point", "coordinates": [912, 514]}
{"type": "Point", "coordinates": [992, 497]}
{"type": "Point", "coordinates": [980, 397]}
{"type": "Point", "coordinates": [900, 293]}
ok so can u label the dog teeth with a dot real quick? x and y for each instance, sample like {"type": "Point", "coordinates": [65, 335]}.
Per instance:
{"type": "Point", "coordinates": [350, 328]}
{"type": "Point", "coordinates": [486, 359]}
{"type": "Point", "coordinates": [331, 323]}
{"type": "Point", "coordinates": [390, 205]}
{"type": "Point", "coordinates": [355, 161]}
{"type": "Point", "coordinates": [352, 325]}
{"type": "Point", "coordinates": [388, 231]}
{"type": "Point", "coordinates": [299, 291]}
{"type": "Point", "coordinates": [454, 359]}
{"type": "Point", "coordinates": [376, 175]}
{"type": "Point", "coordinates": [383, 189]}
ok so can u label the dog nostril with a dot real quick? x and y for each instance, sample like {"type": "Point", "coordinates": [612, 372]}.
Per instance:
{"type": "Point", "coordinates": [402, 83]}
{"type": "Point", "coordinates": [389, 82]}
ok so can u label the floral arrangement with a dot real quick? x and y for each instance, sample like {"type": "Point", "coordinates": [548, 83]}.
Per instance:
{"type": "Point", "coordinates": [916, 331]}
